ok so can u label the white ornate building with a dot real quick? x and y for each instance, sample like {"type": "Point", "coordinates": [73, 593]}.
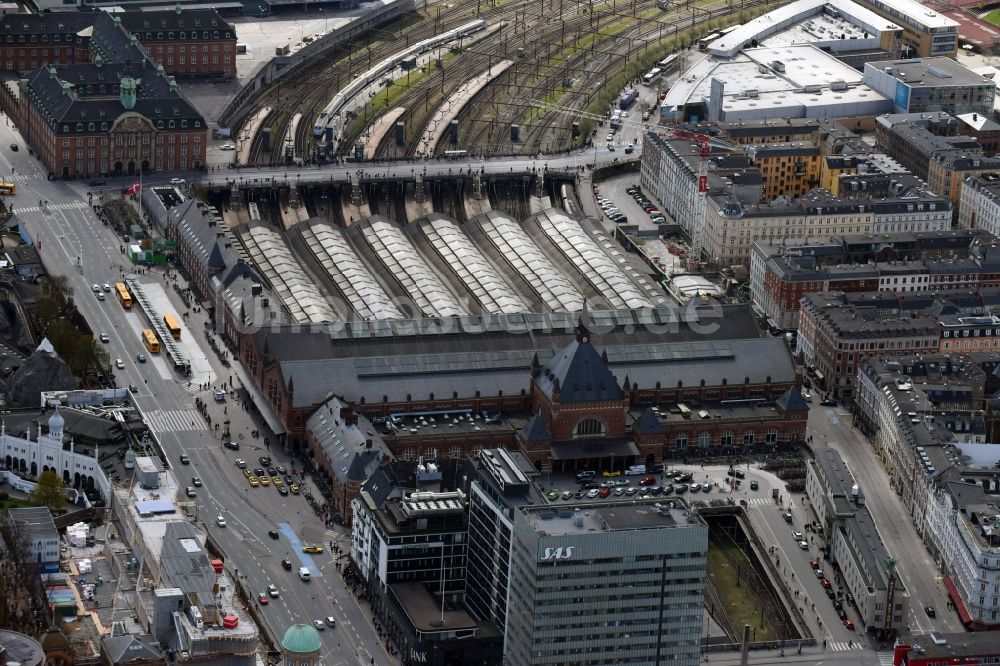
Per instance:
{"type": "Point", "coordinates": [45, 452]}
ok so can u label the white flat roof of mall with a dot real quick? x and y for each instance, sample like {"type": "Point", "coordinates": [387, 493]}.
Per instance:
{"type": "Point", "coordinates": [918, 12]}
{"type": "Point", "coordinates": [753, 85]}
{"type": "Point", "coordinates": [785, 24]}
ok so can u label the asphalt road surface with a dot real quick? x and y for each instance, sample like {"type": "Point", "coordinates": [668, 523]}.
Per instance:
{"type": "Point", "coordinates": [74, 243]}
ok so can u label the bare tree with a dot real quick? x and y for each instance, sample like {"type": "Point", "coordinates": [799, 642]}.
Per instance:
{"type": "Point", "coordinates": [22, 596]}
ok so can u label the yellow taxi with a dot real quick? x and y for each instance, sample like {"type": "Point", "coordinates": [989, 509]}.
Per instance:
{"type": "Point", "coordinates": [294, 488]}
{"type": "Point", "coordinates": [312, 549]}
{"type": "Point", "coordinates": [277, 481]}
{"type": "Point", "coordinates": [253, 481]}
{"type": "Point", "coordinates": [264, 481]}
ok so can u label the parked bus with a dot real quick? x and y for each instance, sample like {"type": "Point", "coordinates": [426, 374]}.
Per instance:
{"type": "Point", "coordinates": [651, 75]}
{"type": "Point", "coordinates": [149, 339]}
{"type": "Point", "coordinates": [706, 40]}
{"type": "Point", "coordinates": [8, 189]}
{"type": "Point", "coordinates": [172, 326]}
{"type": "Point", "coordinates": [667, 63]}
{"type": "Point", "coordinates": [627, 98]}
{"type": "Point", "coordinates": [123, 296]}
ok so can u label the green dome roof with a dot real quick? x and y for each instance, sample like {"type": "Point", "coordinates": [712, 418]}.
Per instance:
{"type": "Point", "coordinates": [301, 639]}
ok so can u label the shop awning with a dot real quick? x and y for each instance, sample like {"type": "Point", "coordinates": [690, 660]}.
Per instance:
{"type": "Point", "coordinates": [963, 612]}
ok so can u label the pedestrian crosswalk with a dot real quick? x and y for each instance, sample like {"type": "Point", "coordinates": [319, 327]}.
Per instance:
{"type": "Point", "coordinates": [842, 646]}
{"type": "Point", "coordinates": [172, 420]}
{"type": "Point", "coordinates": [74, 205]}
{"type": "Point", "coordinates": [885, 658]}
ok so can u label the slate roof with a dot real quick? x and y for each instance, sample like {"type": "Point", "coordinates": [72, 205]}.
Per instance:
{"type": "Point", "coordinates": [792, 401]}
{"type": "Point", "coordinates": [535, 430]}
{"type": "Point", "coordinates": [346, 444]}
{"type": "Point", "coordinates": [130, 648]}
{"type": "Point", "coordinates": [187, 568]}
{"type": "Point", "coordinates": [579, 374]}
{"type": "Point", "coordinates": [171, 19]}
{"type": "Point", "coordinates": [61, 23]}
{"type": "Point", "coordinates": [78, 95]}
{"type": "Point", "coordinates": [648, 424]}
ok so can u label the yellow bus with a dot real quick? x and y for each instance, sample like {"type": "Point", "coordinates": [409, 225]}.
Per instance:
{"type": "Point", "coordinates": [8, 189]}
{"type": "Point", "coordinates": [172, 326]}
{"type": "Point", "coordinates": [123, 296]}
{"type": "Point", "coordinates": [149, 338]}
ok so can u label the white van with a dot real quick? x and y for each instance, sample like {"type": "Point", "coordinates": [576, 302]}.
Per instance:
{"type": "Point", "coordinates": [304, 573]}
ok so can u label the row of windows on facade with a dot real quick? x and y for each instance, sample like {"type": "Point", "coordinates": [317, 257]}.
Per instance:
{"type": "Point", "coordinates": [120, 140]}
{"type": "Point", "coordinates": [194, 59]}
{"type": "Point", "coordinates": [204, 34]}
{"type": "Point", "coordinates": [182, 48]}
{"type": "Point", "coordinates": [195, 151]}
{"type": "Point", "coordinates": [104, 127]}
{"type": "Point", "coordinates": [34, 39]}
{"type": "Point", "coordinates": [182, 163]}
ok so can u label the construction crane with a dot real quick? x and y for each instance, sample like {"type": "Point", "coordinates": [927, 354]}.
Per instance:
{"type": "Point", "coordinates": [704, 141]}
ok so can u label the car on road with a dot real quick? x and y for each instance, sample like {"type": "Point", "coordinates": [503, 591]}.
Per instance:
{"type": "Point", "coordinates": [272, 590]}
{"type": "Point", "coordinates": [254, 483]}
{"type": "Point", "coordinates": [825, 583]}
{"type": "Point", "coordinates": [320, 626]}
{"type": "Point", "coordinates": [185, 459]}
{"type": "Point", "coordinates": [754, 485]}
{"type": "Point", "coordinates": [553, 495]}
{"type": "Point", "coordinates": [593, 493]}
{"type": "Point", "coordinates": [312, 549]}
{"type": "Point", "coordinates": [230, 444]}
{"type": "Point", "coordinates": [141, 358]}
{"type": "Point", "coordinates": [120, 364]}
{"type": "Point", "coordinates": [803, 545]}
{"type": "Point", "coordinates": [330, 621]}
{"type": "Point", "coordinates": [14, 147]}
{"type": "Point", "coordinates": [258, 471]}
{"type": "Point", "coordinates": [273, 534]}
{"type": "Point", "coordinates": [189, 491]}
{"type": "Point", "coordinates": [619, 492]}
{"type": "Point", "coordinates": [264, 481]}
{"type": "Point", "coordinates": [849, 624]}
{"type": "Point", "coordinates": [95, 288]}
{"type": "Point", "coordinates": [227, 146]}
{"type": "Point", "coordinates": [282, 490]}
{"type": "Point", "coordinates": [931, 612]}
{"type": "Point", "coordinates": [262, 599]}
{"type": "Point", "coordinates": [814, 564]}
{"type": "Point", "coordinates": [271, 471]}
{"type": "Point", "coordinates": [100, 296]}
{"type": "Point", "coordinates": [220, 521]}
{"type": "Point", "coordinates": [176, 181]}
{"type": "Point", "coordinates": [797, 535]}
{"type": "Point", "coordinates": [604, 492]}
{"type": "Point", "coordinates": [829, 403]}
{"type": "Point", "coordinates": [842, 614]}
{"type": "Point", "coordinates": [631, 491]}
{"type": "Point", "coordinates": [277, 480]}
{"type": "Point", "coordinates": [281, 470]}
{"type": "Point", "coordinates": [106, 287]}
{"type": "Point", "coordinates": [286, 565]}
{"type": "Point", "coordinates": [104, 338]}
{"type": "Point", "coordinates": [242, 464]}
{"type": "Point", "coordinates": [264, 461]}
{"type": "Point", "coordinates": [196, 482]}
{"type": "Point", "coordinates": [830, 593]}
{"type": "Point", "coordinates": [837, 605]}
{"type": "Point", "coordinates": [819, 574]}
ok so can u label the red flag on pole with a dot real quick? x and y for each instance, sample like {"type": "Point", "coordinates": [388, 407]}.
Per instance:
{"type": "Point", "coordinates": [133, 188]}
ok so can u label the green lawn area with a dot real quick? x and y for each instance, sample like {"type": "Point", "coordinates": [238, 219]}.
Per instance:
{"type": "Point", "coordinates": [993, 17]}
{"type": "Point", "coordinates": [13, 503]}
{"type": "Point", "coordinates": [743, 606]}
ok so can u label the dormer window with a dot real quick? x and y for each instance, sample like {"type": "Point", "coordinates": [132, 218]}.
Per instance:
{"type": "Point", "coordinates": [171, 124]}
{"type": "Point", "coordinates": [159, 124]}
{"type": "Point", "coordinates": [79, 127]}
{"type": "Point", "coordinates": [104, 127]}
{"type": "Point", "coordinates": [183, 35]}
{"type": "Point", "coordinates": [170, 35]}
{"type": "Point", "coordinates": [91, 127]}
{"type": "Point", "coordinates": [197, 123]}
{"type": "Point", "coordinates": [204, 35]}
{"type": "Point", "coordinates": [159, 35]}
{"type": "Point", "coordinates": [184, 124]}
{"type": "Point", "coordinates": [215, 35]}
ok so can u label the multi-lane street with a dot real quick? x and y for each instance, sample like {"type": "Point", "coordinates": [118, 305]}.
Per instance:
{"type": "Point", "coordinates": [74, 243]}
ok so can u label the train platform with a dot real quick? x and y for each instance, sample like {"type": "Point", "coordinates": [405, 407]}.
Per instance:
{"type": "Point", "coordinates": [453, 105]}
{"type": "Point", "coordinates": [380, 127]}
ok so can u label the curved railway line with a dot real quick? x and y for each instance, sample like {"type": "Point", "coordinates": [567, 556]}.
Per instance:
{"type": "Point", "coordinates": [542, 34]}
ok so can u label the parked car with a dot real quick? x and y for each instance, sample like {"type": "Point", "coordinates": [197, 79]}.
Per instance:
{"type": "Point", "coordinates": [930, 611]}
{"type": "Point", "coordinates": [104, 338]}
{"type": "Point", "coordinates": [825, 583]}
{"type": "Point", "coordinates": [803, 545]}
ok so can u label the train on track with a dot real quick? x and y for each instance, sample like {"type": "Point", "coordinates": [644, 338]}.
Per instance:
{"type": "Point", "coordinates": [331, 114]}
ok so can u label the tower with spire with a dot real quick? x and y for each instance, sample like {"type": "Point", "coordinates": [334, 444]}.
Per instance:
{"type": "Point", "coordinates": [578, 408]}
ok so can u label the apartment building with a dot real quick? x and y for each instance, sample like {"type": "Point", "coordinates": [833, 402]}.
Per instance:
{"type": "Point", "coordinates": [789, 168]}
{"type": "Point", "coordinates": [913, 139]}
{"type": "Point", "coordinates": [983, 128]}
{"type": "Point", "coordinates": [880, 598]}
{"type": "Point", "coordinates": [947, 171]}
{"type": "Point", "coordinates": [980, 202]}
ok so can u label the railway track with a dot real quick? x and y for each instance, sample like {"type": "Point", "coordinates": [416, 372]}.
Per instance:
{"type": "Point", "coordinates": [313, 87]}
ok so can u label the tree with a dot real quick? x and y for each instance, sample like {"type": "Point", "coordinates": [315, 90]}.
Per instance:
{"type": "Point", "coordinates": [50, 491]}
